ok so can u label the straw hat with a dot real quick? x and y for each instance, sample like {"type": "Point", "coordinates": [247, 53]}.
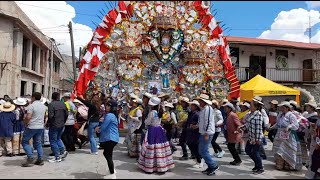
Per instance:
{"type": "Point", "coordinates": [258, 99]}
{"type": "Point", "coordinates": [7, 107]}
{"type": "Point", "coordinates": [215, 102]}
{"type": "Point", "coordinates": [67, 94]}
{"type": "Point", "coordinates": [195, 102]}
{"type": "Point", "coordinates": [167, 104]}
{"type": "Point", "coordinates": [148, 95]}
{"type": "Point", "coordinates": [275, 102]}
{"type": "Point", "coordinates": [285, 103]}
{"type": "Point", "coordinates": [204, 98]}
{"type": "Point", "coordinates": [183, 98]}
{"type": "Point", "coordinates": [293, 103]}
{"type": "Point", "coordinates": [77, 101]}
{"type": "Point", "coordinates": [224, 101]}
{"type": "Point", "coordinates": [312, 104]}
{"type": "Point", "coordinates": [228, 104]}
{"type": "Point", "coordinates": [245, 104]}
{"type": "Point", "coordinates": [20, 101]}
{"type": "Point", "coordinates": [154, 101]}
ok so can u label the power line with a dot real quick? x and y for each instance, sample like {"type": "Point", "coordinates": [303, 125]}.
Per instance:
{"type": "Point", "coordinates": [59, 10]}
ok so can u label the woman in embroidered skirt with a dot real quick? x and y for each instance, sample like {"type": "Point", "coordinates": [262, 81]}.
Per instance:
{"type": "Point", "coordinates": [156, 155]}
{"type": "Point", "coordinates": [286, 145]}
{"type": "Point", "coordinates": [18, 128]}
{"type": "Point", "coordinates": [133, 139]}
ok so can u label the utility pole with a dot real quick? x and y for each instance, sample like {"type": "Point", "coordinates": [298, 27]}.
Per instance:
{"type": "Point", "coordinates": [51, 69]}
{"type": "Point", "coordinates": [72, 51]}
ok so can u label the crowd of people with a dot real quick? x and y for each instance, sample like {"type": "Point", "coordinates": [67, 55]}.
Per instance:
{"type": "Point", "coordinates": [155, 122]}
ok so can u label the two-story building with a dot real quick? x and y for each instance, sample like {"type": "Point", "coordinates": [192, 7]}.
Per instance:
{"type": "Point", "coordinates": [29, 60]}
{"type": "Point", "coordinates": [290, 63]}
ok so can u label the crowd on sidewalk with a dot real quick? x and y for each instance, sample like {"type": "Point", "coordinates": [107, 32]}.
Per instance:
{"type": "Point", "coordinates": [155, 122]}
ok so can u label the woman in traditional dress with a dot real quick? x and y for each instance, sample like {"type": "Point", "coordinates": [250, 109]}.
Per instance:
{"type": "Point", "coordinates": [134, 122]}
{"type": "Point", "coordinates": [273, 113]}
{"type": "Point", "coordinates": [156, 155]}
{"type": "Point", "coordinates": [286, 145]}
{"type": "Point", "coordinates": [18, 127]}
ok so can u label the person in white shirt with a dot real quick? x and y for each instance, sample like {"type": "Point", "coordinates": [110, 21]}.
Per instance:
{"type": "Point", "coordinates": [218, 123]}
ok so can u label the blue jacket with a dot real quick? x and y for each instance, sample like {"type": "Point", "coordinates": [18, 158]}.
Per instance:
{"type": "Point", "coordinates": [109, 128]}
{"type": "Point", "coordinates": [7, 121]}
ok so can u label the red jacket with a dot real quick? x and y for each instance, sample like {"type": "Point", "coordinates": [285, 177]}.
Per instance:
{"type": "Point", "coordinates": [233, 123]}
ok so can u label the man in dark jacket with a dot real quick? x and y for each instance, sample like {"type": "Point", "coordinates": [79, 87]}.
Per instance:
{"type": "Point", "coordinates": [57, 117]}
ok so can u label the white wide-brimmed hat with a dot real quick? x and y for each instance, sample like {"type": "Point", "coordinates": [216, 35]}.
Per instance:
{"type": "Point", "coordinates": [133, 96]}
{"type": "Point", "coordinates": [7, 107]}
{"type": "Point", "coordinates": [154, 101]}
{"type": "Point", "coordinates": [183, 98]}
{"type": "Point", "coordinates": [195, 102]}
{"type": "Point", "coordinates": [318, 108]}
{"type": "Point", "coordinates": [245, 104]}
{"type": "Point", "coordinates": [167, 104]}
{"type": "Point", "coordinates": [137, 100]}
{"type": "Point", "coordinates": [285, 103]}
{"type": "Point", "coordinates": [293, 103]}
{"type": "Point", "coordinates": [205, 98]}
{"type": "Point", "coordinates": [258, 99]}
{"type": "Point", "coordinates": [312, 104]}
{"type": "Point", "coordinates": [20, 101]}
{"type": "Point", "coordinates": [215, 102]}
{"type": "Point", "coordinates": [275, 102]}
{"type": "Point", "coordinates": [229, 104]}
{"type": "Point", "coordinates": [148, 95]}
{"type": "Point", "coordinates": [67, 94]}
{"type": "Point", "coordinates": [225, 101]}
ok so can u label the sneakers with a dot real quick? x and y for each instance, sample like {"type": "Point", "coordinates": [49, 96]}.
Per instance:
{"type": "Point", "coordinates": [55, 160]}
{"type": "Point", "coordinates": [211, 172]}
{"type": "Point", "coordinates": [110, 176]}
{"type": "Point", "coordinates": [220, 154]}
{"type": "Point", "coordinates": [205, 171]}
{"type": "Point", "coordinates": [235, 163]}
{"type": "Point", "coordinates": [64, 155]}
{"type": "Point", "coordinates": [39, 162]}
{"type": "Point", "coordinates": [199, 165]}
{"type": "Point", "coordinates": [183, 158]}
{"type": "Point", "coordinates": [28, 163]}
{"type": "Point", "coordinates": [254, 169]}
{"type": "Point", "coordinates": [259, 171]}
{"type": "Point", "coordinates": [94, 153]}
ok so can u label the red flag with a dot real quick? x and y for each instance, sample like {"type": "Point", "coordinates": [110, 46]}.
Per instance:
{"type": "Point", "coordinates": [113, 14]}
{"type": "Point", "coordinates": [122, 7]}
{"type": "Point", "coordinates": [216, 32]}
{"type": "Point", "coordinates": [206, 20]}
{"type": "Point", "coordinates": [130, 10]}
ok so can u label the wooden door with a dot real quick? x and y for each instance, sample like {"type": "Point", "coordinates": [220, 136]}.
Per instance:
{"type": "Point", "coordinates": [307, 70]}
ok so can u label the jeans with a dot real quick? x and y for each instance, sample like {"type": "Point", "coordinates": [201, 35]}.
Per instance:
{"type": "Point", "coordinates": [214, 144]}
{"type": "Point", "coordinates": [107, 153]}
{"type": "Point", "coordinates": [203, 149]}
{"type": "Point", "coordinates": [233, 151]}
{"type": "Point", "coordinates": [36, 135]}
{"type": "Point", "coordinates": [91, 132]}
{"type": "Point", "coordinates": [253, 151]}
{"type": "Point", "coordinates": [56, 143]}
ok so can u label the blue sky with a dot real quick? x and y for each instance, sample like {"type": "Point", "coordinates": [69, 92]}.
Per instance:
{"type": "Point", "coordinates": [245, 18]}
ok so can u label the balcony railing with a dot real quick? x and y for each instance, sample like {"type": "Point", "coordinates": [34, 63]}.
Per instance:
{"type": "Point", "coordinates": [294, 75]}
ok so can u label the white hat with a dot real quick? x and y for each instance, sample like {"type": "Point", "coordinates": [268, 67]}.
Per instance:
{"type": "Point", "coordinates": [77, 101]}
{"type": "Point", "coordinates": [318, 108]}
{"type": "Point", "coordinates": [154, 101]}
{"type": "Point", "coordinates": [275, 102]}
{"type": "Point", "coordinates": [285, 103]}
{"type": "Point", "coordinates": [205, 98]}
{"type": "Point", "coordinates": [195, 102]}
{"type": "Point", "coordinates": [312, 104]}
{"type": "Point", "coordinates": [67, 94]}
{"type": "Point", "coordinates": [167, 104]}
{"type": "Point", "coordinates": [225, 100]}
{"type": "Point", "coordinates": [133, 96]}
{"type": "Point", "coordinates": [245, 104]}
{"type": "Point", "coordinates": [258, 99]}
{"type": "Point", "coordinates": [293, 103]}
{"type": "Point", "coordinates": [7, 107]}
{"type": "Point", "coordinates": [20, 101]}
{"type": "Point", "coordinates": [148, 95]}
{"type": "Point", "coordinates": [137, 100]}
{"type": "Point", "coordinates": [215, 102]}
{"type": "Point", "coordinates": [2, 101]}
{"type": "Point", "coordinates": [229, 105]}
{"type": "Point", "coordinates": [183, 98]}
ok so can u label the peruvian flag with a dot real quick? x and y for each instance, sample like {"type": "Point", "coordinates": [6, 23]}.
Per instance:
{"type": "Point", "coordinates": [122, 7]}
{"type": "Point", "coordinates": [215, 33]}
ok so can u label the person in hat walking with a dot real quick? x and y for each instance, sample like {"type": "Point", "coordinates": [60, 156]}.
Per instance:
{"type": "Point", "coordinates": [81, 122]}
{"type": "Point", "coordinates": [234, 101]}
{"type": "Point", "coordinates": [234, 136]}
{"type": "Point", "coordinates": [18, 128]}
{"type": "Point", "coordinates": [286, 146]}
{"type": "Point", "coordinates": [273, 113]}
{"type": "Point", "coordinates": [150, 160]}
{"type": "Point", "coordinates": [34, 130]}
{"type": "Point", "coordinates": [254, 127]}
{"type": "Point", "coordinates": [192, 132]}
{"type": "Point", "coordinates": [7, 122]}
{"type": "Point", "coordinates": [218, 152]}
{"type": "Point", "coordinates": [206, 130]}
{"type": "Point", "coordinates": [145, 99]}
{"type": "Point", "coordinates": [109, 134]}
{"type": "Point", "coordinates": [169, 120]}
{"type": "Point", "coordinates": [134, 122]}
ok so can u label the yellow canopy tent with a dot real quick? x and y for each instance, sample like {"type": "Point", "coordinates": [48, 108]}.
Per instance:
{"type": "Point", "coordinates": [260, 86]}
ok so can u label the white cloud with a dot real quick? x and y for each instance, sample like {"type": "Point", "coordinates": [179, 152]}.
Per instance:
{"type": "Point", "coordinates": [313, 4]}
{"type": "Point", "coordinates": [292, 25]}
{"type": "Point", "coordinates": [44, 17]}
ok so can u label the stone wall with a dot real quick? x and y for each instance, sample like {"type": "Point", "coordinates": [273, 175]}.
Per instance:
{"type": "Point", "coordinates": [314, 90]}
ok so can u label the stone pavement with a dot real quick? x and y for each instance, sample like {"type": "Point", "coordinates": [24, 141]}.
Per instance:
{"type": "Point", "coordinates": [82, 165]}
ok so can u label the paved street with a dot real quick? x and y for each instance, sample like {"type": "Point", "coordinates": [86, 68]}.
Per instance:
{"type": "Point", "coordinates": [82, 165]}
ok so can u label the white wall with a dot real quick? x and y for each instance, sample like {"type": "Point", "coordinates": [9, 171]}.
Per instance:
{"type": "Point", "coordinates": [295, 61]}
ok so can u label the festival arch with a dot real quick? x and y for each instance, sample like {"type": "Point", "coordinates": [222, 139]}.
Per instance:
{"type": "Point", "coordinates": [175, 47]}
